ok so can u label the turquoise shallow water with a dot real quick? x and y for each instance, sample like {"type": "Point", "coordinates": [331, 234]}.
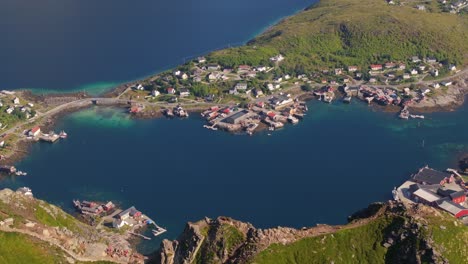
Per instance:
{"type": "Point", "coordinates": [338, 160]}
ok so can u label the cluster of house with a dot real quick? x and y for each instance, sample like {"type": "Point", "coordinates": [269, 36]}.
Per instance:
{"type": "Point", "coordinates": [129, 217]}
{"type": "Point", "coordinates": [16, 105]}
{"type": "Point", "coordinates": [273, 111]}
{"type": "Point", "coordinates": [93, 208]}
{"type": "Point", "coordinates": [451, 6]}
{"type": "Point", "coordinates": [444, 190]}
{"type": "Point", "coordinates": [454, 6]}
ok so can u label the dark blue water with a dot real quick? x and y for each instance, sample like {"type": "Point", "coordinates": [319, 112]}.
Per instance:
{"type": "Point", "coordinates": [93, 45]}
{"type": "Point", "coordinates": [338, 160]}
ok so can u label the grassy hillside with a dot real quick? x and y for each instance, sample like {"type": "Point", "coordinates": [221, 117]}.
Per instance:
{"type": "Point", "coordinates": [18, 248]}
{"type": "Point", "coordinates": [428, 230]}
{"type": "Point", "coordinates": [337, 33]}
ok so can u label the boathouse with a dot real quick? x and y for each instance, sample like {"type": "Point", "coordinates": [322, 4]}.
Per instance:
{"type": "Point", "coordinates": [130, 212]}
{"type": "Point", "coordinates": [455, 209]}
{"type": "Point", "coordinates": [35, 131]}
{"type": "Point", "coordinates": [236, 118]}
{"type": "Point", "coordinates": [427, 175]}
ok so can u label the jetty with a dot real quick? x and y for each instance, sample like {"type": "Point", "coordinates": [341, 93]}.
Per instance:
{"type": "Point", "coordinates": [139, 235]}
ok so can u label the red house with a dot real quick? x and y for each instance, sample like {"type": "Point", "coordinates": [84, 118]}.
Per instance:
{"type": "Point", "coordinates": [458, 197]}
{"type": "Point", "coordinates": [376, 67]}
{"type": "Point", "coordinates": [455, 209]}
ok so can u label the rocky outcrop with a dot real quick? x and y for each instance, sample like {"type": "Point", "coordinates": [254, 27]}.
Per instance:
{"type": "Point", "coordinates": [225, 240]}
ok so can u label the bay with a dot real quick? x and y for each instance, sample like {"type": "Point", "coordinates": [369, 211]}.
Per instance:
{"type": "Point", "coordinates": [337, 161]}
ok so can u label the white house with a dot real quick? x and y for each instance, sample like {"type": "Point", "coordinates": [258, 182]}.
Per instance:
{"type": "Point", "coordinates": [10, 110]}
{"type": "Point", "coordinates": [171, 90]}
{"type": "Point", "coordinates": [414, 72]}
{"type": "Point", "coordinates": [184, 92]}
{"type": "Point", "coordinates": [35, 131]}
{"type": "Point", "coordinates": [201, 59]}
{"type": "Point", "coordinates": [241, 86]}
{"type": "Point", "coordinates": [446, 83]}
{"type": "Point", "coordinates": [435, 85]}
{"type": "Point", "coordinates": [277, 58]}
{"type": "Point", "coordinates": [287, 77]}
{"type": "Point", "coordinates": [435, 73]}
{"type": "Point", "coordinates": [16, 101]}
{"type": "Point", "coordinates": [155, 93]}
{"type": "Point", "coordinates": [139, 87]}
{"type": "Point", "coordinates": [184, 76]}
{"type": "Point", "coordinates": [452, 67]}
{"type": "Point", "coordinates": [425, 90]}
{"type": "Point", "coordinates": [233, 90]}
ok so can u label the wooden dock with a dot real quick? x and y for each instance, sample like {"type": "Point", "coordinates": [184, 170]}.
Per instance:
{"type": "Point", "coordinates": [139, 235]}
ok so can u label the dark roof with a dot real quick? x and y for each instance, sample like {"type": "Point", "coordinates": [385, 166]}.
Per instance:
{"type": "Point", "coordinates": [430, 176]}
{"type": "Point", "coordinates": [131, 211]}
{"type": "Point", "coordinates": [457, 194]}
{"type": "Point", "coordinates": [417, 186]}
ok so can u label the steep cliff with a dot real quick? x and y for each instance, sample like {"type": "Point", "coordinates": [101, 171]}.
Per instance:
{"type": "Point", "coordinates": [383, 233]}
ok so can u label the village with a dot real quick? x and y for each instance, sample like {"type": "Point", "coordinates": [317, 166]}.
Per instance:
{"type": "Point", "coordinates": [447, 6]}
{"type": "Point", "coordinates": [443, 190]}
{"type": "Point", "coordinates": [242, 99]}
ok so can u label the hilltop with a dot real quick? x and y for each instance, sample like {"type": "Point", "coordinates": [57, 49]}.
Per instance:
{"type": "Point", "coordinates": [338, 33]}
{"type": "Point", "coordinates": [382, 233]}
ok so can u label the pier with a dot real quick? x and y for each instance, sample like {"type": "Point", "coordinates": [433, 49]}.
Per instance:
{"type": "Point", "coordinates": [139, 235]}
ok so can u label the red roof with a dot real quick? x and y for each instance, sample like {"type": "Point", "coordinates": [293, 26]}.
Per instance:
{"type": "Point", "coordinates": [376, 66]}
{"type": "Point", "coordinates": [35, 129]}
{"type": "Point", "coordinates": [271, 114]}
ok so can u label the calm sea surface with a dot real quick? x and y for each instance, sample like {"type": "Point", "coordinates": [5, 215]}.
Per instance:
{"type": "Point", "coordinates": [68, 45]}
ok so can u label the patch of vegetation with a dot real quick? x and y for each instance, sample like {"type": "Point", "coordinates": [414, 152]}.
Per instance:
{"type": "Point", "coordinates": [338, 33]}
{"type": "Point", "coordinates": [450, 235]}
{"type": "Point", "coordinates": [220, 240]}
{"type": "Point", "coordinates": [357, 245]}
{"type": "Point", "coordinates": [18, 248]}
{"type": "Point", "coordinates": [60, 220]}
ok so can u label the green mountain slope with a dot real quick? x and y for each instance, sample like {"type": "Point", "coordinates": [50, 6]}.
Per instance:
{"type": "Point", "coordinates": [382, 233]}
{"type": "Point", "coordinates": [338, 33]}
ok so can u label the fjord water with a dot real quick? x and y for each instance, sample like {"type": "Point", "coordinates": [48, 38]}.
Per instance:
{"type": "Point", "coordinates": [68, 45]}
{"type": "Point", "coordinates": [338, 160]}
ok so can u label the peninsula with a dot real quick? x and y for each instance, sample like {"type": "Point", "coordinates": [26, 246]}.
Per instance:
{"type": "Point", "coordinates": [396, 55]}
{"type": "Point", "coordinates": [383, 53]}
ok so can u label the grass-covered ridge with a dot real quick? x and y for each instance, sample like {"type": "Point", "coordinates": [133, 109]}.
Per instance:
{"type": "Point", "coordinates": [339, 33]}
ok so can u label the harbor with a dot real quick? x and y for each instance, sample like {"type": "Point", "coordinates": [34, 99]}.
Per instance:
{"type": "Point", "coordinates": [273, 111]}
{"type": "Point", "coordinates": [108, 214]}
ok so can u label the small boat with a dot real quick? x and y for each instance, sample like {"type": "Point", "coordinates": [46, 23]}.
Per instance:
{"type": "Point", "coordinates": [63, 134]}
{"type": "Point", "coordinates": [347, 99]}
{"type": "Point", "coordinates": [417, 116]}
{"type": "Point", "coordinates": [271, 128]}
{"type": "Point", "coordinates": [20, 173]}
{"type": "Point", "coordinates": [395, 194]}
{"type": "Point", "coordinates": [293, 120]}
